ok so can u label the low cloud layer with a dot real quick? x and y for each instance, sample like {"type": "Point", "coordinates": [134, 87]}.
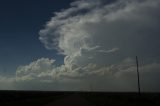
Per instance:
{"type": "Point", "coordinates": [100, 41]}
{"type": "Point", "coordinates": [116, 77]}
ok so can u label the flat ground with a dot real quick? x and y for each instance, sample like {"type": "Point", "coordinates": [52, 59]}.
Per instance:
{"type": "Point", "coordinates": [43, 98]}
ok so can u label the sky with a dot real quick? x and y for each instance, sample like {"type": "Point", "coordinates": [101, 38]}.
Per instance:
{"type": "Point", "coordinates": [79, 45]}
{"type": "Point", "coordinates": [21, 21]}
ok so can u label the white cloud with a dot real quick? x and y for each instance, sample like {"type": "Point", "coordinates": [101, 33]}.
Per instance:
{"type": "Point", "coordinates": [126, 24]}
{"type": "Point", "coordinates": [87, 34]}
{"type": "Point", "coordinates": [37, 70]}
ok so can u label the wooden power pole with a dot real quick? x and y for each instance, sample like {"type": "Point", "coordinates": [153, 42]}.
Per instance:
{"type": "Point", "coordinates": [139, 87]}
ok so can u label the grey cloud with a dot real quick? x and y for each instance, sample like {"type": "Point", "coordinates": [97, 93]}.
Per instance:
{"type": "Point", "coordinates": [119, 77]}
{"type": "Point", "coordinates": [7, 82]}
{"type": "Point", "coordinates": [109, 51]}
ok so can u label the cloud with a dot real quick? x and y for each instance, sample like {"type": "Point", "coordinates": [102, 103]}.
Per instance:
{"type": "Point", "coordinates": [7, 82]}
{"type": "Point", "coordinates": [37, 70]}
{"type": "Point", "coordinates": [129, 25]}
{"type": "Point", "coordinates": [109, 51]}
{"type": "Point", "coordinates": [89, 35]}
{"type": "Point", "coordinates": [6, 79]}
{"type": "Point", "coordinates": [116, 77]}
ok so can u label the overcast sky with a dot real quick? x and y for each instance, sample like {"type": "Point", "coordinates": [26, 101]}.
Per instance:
{"type": "Point", "coordinates": [79, 44]}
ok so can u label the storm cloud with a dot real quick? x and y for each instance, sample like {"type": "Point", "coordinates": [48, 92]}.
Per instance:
{"type": "Point", "coordinates": [100, 41]}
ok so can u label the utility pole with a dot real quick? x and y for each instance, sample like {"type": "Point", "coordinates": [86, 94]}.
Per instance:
{"type": "Point", "coordinates": [139, 88]}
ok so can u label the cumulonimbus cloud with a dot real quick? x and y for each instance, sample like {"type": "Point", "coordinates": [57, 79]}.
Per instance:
{"type": "Point", "coordinates": [129, 25]}
{"type": "Point", "coordinates": [97, 38]}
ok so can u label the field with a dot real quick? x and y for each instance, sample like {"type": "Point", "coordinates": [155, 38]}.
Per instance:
{"type": "Point", "coordinates": [51, 98]}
